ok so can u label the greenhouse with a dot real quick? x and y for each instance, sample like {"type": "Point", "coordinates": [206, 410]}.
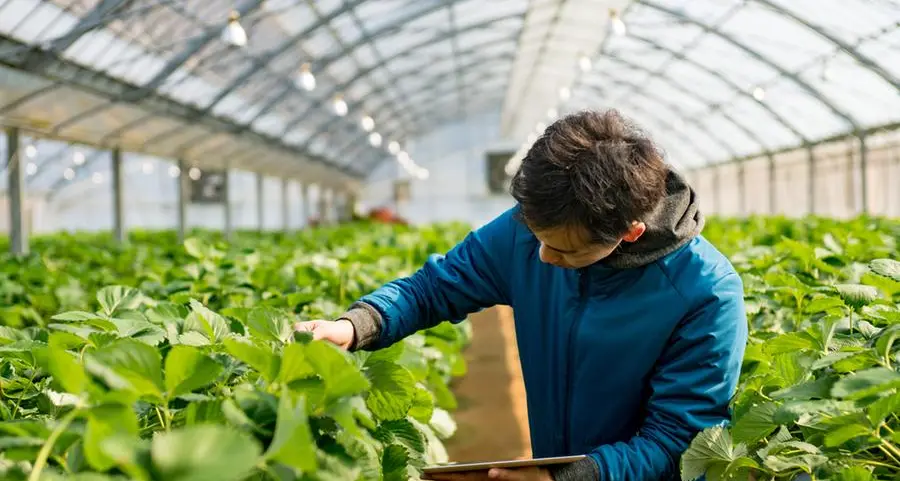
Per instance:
{"type": "Point", "coordinates": [535, 240]}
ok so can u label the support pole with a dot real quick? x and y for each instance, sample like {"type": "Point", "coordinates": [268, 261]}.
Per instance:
{"type": "Point", "coordinates": [260, 208]}
{"type": "Point", "coordinates": [811, 181]}
{"type": "Point", "coordinates": [742, 190]}
{"type": "Point", "coordinates": [863, 172]}
{"type": "Point", "coordinates": [285, 203]}
{"type": "Point", "coordinates": [18, 237]}
{"type": "Point", "coordinates": [717, 190]}
{"type": "Point", "coordinates": [182, 190]}
{"type": "Point", "coordinates": [306, 198]}
{"type": "Point", "coordinates": [323, 206]}
{"type": "Point", "coordinates": [226, 188]}
{"type": "Point", "coordinates": [118, 197]}
{"type": "Point", "coordinates": [772, 191]}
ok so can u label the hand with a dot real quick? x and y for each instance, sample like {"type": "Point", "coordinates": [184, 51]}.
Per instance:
{"type": "Point", "coordinates": [339, 333]}
{"type": "Point", "coordinates": [520, 474]}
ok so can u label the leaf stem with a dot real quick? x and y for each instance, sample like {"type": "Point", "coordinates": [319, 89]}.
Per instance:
{"type": "Point", "coordinates": [162, 421]}
{"type": "Point", "coordinates": [880, 464]}
{"type": "Point", "coordinates": [19, 401]}
{"type": "Point", "coordinates": [888, 453]}
{"type": "Point", "coordinates": [44, 453]}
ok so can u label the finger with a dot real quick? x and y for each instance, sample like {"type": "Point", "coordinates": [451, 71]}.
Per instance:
{"type": "Point", "coordinates": [507, 474]}
{"type": "Point", "coordinates": [311, 326]}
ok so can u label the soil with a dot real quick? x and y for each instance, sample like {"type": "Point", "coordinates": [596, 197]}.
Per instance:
{"type": "Point", "coordinates": [492, 416]}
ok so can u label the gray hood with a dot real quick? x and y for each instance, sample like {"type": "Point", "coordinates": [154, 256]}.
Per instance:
{"type": "Point", "coordinates": [674, 222]}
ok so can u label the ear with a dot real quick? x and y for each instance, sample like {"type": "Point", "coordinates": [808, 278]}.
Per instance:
{"type": "Point", "coordinates": [635, 233]}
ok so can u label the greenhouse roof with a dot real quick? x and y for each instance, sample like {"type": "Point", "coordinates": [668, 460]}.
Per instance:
{"type": "Point", "coordinates": [712, 80]}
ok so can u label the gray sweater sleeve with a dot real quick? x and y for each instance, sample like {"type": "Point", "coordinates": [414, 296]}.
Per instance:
{"type": "Point", "coordinates": [584, 470]}
{"type": "Point", "coordinates": [366, 325]}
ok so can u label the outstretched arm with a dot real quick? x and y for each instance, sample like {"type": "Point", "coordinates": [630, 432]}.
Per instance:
{"type": "Point", "coordinates": [470, 277]}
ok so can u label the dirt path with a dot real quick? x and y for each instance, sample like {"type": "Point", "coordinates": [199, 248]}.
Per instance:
{"type": "Point", "coordinates": [492, 415]}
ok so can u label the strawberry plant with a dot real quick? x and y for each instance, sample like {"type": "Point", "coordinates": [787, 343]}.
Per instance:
{"type": "Point", "coordinates": [171, 362]}
{"type": "Point", "coordinates": [819, 394]}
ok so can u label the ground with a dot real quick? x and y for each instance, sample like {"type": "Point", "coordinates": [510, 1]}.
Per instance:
{"type": "Point", "coordinates": [492, 415]}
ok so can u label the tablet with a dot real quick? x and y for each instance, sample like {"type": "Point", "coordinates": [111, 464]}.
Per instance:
{"type": "Point", "coordinates": [486, 465]}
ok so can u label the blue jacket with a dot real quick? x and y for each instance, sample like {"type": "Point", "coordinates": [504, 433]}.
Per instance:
{"type": "Point", "coordinates": [623, 364]}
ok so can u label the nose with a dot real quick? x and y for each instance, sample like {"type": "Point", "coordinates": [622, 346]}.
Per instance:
{"type": "Point", "coordinates": [548, 257]}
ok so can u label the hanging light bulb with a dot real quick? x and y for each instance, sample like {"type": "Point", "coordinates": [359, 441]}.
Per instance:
{"type": "Point", "coordinates": [375, 139]}
{"type": "Point", "coordinates": [532, 138]}
{"type": "Point", "coordinates": [565, 93]}
{"type": "Point", "coordinates": [552, 113]}
{"type": "Point", "coordinates": [403, 158]}
{"type": "Point", "coordinates": [759, 94]}
{"type": "Point", "coordinates": [340, 106]}
{"type": "Point", "coordinates": [306, 78]}
{"type": "Point", "coordinates": [368, 123]}
{"type": "Point", "coordinates": [147, 167]}
{"type": "Point", "coordinates": [394, 147]}
{"type": "Point", "coordinates": [618, 25]}
{"type": "Point", "coordinates": [194, 173]}
{"type": "Point", "coordinates": [69, 173]}
{"type": "Point", "coordinates": [78, 158]}
{"type": "Point", "coordinates": [97, 177]}
{"type": "Point", "coordinates": [422, 173]}
{"type": "Point", "coordinates": [540, 127]}
{"type": "Point", "coordinates": [30, 151]}
{"type": "Point", "coordinates": [234, 33]}
{"type": "Point", "coordinates": [585, 63]}
{"type": "Point", "coordinates": [174, 171]}
{"type": "Point", "coordinates": [31, 168]}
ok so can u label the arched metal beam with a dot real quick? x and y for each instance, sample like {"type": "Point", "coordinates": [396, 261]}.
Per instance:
{"type": "Point", "coordinates": [812, 91]}
{"type": "Point", "coordinates": [365, 72]}
{"type": "Point", "coordinates": [847, 48]}
{"type": "Point", "coordinates": [718, 75]}
{"type": "Point", "coordinates": [694, 95]}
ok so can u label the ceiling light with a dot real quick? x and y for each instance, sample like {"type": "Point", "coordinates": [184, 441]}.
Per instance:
{"type": "Point", "coordinates": [69, 173]}
{"type": "Point", "coordinates": [565, 93]}
{"type": "Point", "coordinates": [174, 171]}
{"type": "Point", "coordinates": [97, 177]}
{"type": "Point", "coordinates": [394, 147]}
{"type": "Point", "coordinates": [234, 33]}
{"type": "Point", "coordinates": [759, 94]}
{"type": "Point", "coordinates": [540, 127]}
{"type": "Point", "coordinates": [31, 168]}
{"type": "Point", "coordinates": [147, 167]}
{"type": "Point", "coordinates": [340, 106]}
{"type": "Point", "coordinates": [78, 158]}
{"type": "Point", "coordinates": [422, 173]}
{"type": "Point", "coordinates": [403, 158]}
{"type": "Point", "coordinates": [194, 173]}
{"type": "Point", "coordinates": [30, 151]}
{"type": "Point", "coordinates": [368, 123]}
{"type": "Point", "coordinates": [552, 113]}
{"type": "Point", "coordinates": [618, 25]}
{"type": "Point", "coordinates": [585, 63]}
{"type": "Point", "coordinates": [375, 139]}
{"type": "Point", "coordinates": [306, 78]}
{"type": "Point", "coordinates": [532, 138]}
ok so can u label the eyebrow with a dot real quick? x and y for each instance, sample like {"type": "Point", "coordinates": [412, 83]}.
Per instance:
{"type": "Point", "coordinates": [561, 251]}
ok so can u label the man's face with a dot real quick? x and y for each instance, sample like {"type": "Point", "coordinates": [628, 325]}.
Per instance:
{"type": "Point", "coordinates": [571, 247]}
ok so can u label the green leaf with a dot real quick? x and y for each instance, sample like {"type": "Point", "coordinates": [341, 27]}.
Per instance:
{"type": "Point", "coordinates": [103, 422]}
{"type": "Point", "coordinates": [269, 324]}
{"type": "Point", "coordinates": [711, 449]}
{"type": "Point", "coordinates": [887, 268]}
{"type": "Point", "coordinates": [805, 462]}
{"type": "Point", "coordinates": [204, 453]}
{"type": "Point", "coordinates": [394, 462]}
{"type": "Point", "coordinates": [265, 362]}
{"type": "Point", "coordinates": [791, 411]}
{"type": "Point", "coordinates": [791, 343]}
{"type": "Point", "coordinates": [130, 365]}
{"type": "Point", "coordinates": [392, 391]}
{"type": "Point", "coordinates": [66, 371]}
{"type": "Point", "coordinates": [188, 369]}
{"type": "Point", "coordinates": [845, 433]}
{"type": "Point", "coordinates": [823, 304]}
{"type": "Point", "coordinates": [865, 383]}
{"type": "Point", "coordinates": [116, 298]}
{"type": "Point", "coordinates": [293, 443]}
{"type": "Point", "coordinates": [856, 295]}
{"type": "Point", "coordinates": [75, 316]}
{"type": "Point", "coordinates": [855, 473]}
{"type": "Point", "coordinates": [403, 432]}
{"type": "Point", "coordinates": [422, 405]}
{"type": "Point", "coordinates": [294, 364]}
{"type": "Point", "coordinates": [885, 342]}
{"type": "Point", "coordinates": [816, 389]}
{"type": "Point", "coordinates": [879, 410]}
{"type": "Point", "coordinates": [334, 366]}
{"type": "Point", "coordinates": [832, 358]}
{"type": "Point", "coordinates": [755, 424]}
{"type": "Point", "coordinates": [207, 322]}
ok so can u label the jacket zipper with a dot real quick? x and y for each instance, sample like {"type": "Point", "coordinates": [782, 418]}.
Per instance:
{"type": "Point", "coordinates": [582, 302]}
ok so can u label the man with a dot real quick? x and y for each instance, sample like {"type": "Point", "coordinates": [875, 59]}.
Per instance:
{"type": "Point", "coordinates": [631, 326]}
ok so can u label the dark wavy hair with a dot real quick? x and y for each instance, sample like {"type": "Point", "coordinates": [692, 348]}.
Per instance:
{"type": "Point", "coordinates": [593, 169]}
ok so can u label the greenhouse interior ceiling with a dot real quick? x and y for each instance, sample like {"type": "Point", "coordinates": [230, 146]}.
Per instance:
{"type": "Point", "coordinates": [328, 90]}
